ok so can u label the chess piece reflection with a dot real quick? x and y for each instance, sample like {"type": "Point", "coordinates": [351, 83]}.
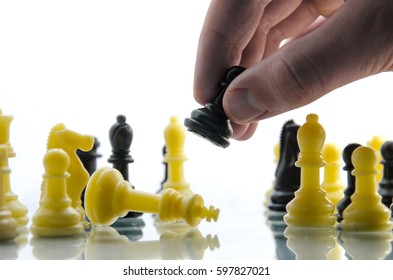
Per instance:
{"type": "Point", "coordinates": [366, 245]}
{"type": "Point", "coordinates": [311, 243]}
{"type": "Point", "coordinates": [107, 185]}
{"type": "Point", "coordinates": [18, 209]}
{"type": "Point", "coordinates": [278, 226]}
{"type": "Point", "coordinates": [105, 243]}
{"type": "Point", "coordinates": [58, 248]}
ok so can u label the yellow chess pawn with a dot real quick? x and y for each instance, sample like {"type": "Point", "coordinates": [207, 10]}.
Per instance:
{"type": "Point", "coordinates": [376, 143]}
{"type": "Point", "coordinates": [175, 134]}
{"type": "Point", "coordinates": [55, 216]}
{"type": "Point", "coordinates": [310, 207]}
{"type": "Point", "coordinates": [18, 210]}
{"type": "Point", "coordinates": [332, 183]}
{"type": "Point", "coordinates": [366, 212]}
{"type": "Point", "coordinates": [8, 224]}
{"type": "Point", "coordinates": [108, 196]}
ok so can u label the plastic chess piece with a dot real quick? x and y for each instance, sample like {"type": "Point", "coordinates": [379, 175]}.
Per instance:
{"type": "Point", "coordinates": [120, 137]}
{"type": "Point", "coordinates": [350, 189]}
{"type": "Point", "coordinates": [386, 184]}
{"type": "Point", "coordinates": [376, 143]}
{"type": "Point", "coordinates": [165, 169]}
{"type": "Point", "coordinates": [311, 243]}
{"type": "Point", "coordinates": [18, 209]}
{"type": "Point", "coordinates": [287, 175]}
{"type": "Point", "coordinates": [366, 212]}
{"type": "Point", "coordinates": [55, 215]}
{"type": "Point", "coordinates": [107, 185]}
{"type": "Point", "coordinates": [310, 207]}
{"type": "Point", "coordinates": [211, 122]}
{"type": "Point", "coordinates": [70, 141]}
{"type": "Point", "coordinates": [332, 183]}
{"type": "Point", "coordinates": [269, 192]}
{"type": "Point", "coordinates": [8, 224]}
{"type": "Point", "coordinates": [367, 245]}
{"type": "Point", "coordinates": [89, 161]}
{"type": "Point", "coordinates": [89, 158]}
{"type": "Point", "coordinates": [175, 134]}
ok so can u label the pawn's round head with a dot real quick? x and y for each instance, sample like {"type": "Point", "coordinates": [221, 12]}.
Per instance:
{"type": "Point", "coordinates": [387, 151]}
{"type": "Point", "coordinates": [331, 152]}
{"type": "Point", "coordinates": [56, 161]}
{"type": "Point", "coordinates": [365, 160]}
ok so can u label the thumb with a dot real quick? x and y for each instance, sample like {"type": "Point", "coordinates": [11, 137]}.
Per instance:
{"type": "Point", "coordinates": [350, 45]}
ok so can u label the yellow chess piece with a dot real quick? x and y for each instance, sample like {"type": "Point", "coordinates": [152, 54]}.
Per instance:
{"type": "Point", "coordinates": [108, 196]}
{"type": "Point", "coordinates": [175, 134]}
{"type": "Point", "coordinates": [8, 224]}
{"type": "Point", "coordinates": [376, 143]}
{"type": "Point", "coordinates": [269, 192]}
{"type": "Point", "coordinates": [332, 183]}
{"type": "Point", "coordinates": [310, 207]}
{"type": "Point", "coordinates": [55, 216]}
{"type": "Point", "coordinates": [70, 141]}
{"type": "Point", "coordinates": [366, 212]}
{"type": "Point", "coordinates": [19, 210]}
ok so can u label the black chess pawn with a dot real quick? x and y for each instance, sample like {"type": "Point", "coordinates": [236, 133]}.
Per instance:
{"type": "Point", "coordinates": [211, 122]}
{"type": "Point", "coordinates": [350, 189]}
{"type": "Point", "coordinates": [287, 176]}
{"type": "Point", "coordinates": [89, 161]}
{"type": "Point", "coordinates": [386, 184]}
{"type": "Point", "coordinates": [120, 137]}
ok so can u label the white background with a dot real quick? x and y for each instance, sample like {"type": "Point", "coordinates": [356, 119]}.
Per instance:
{"type": "Point", "coordinates": [84, 62]}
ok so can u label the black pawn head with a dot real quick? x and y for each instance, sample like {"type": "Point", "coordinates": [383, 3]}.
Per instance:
{"type": "Point", "coordinates": [347, 155]}
{"type": "Point", "coordinates": [387, 151]}
{"type": "Point", "coordinates": [211, 122]}
{"type": "Point", "coordinates": [120, 136]}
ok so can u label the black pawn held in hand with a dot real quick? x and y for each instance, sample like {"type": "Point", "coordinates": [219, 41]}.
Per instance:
{"type": "Point", "coordinates": [351, 180]}
{"type": "Point", "coordinates": [386, 184]}
{"type": "Point", "coordinates": [211, 122]}
{"type": "Point", "coordinates": [120, 137]}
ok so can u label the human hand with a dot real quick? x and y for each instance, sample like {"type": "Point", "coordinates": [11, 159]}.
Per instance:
{"type": "Point", "coordinates": [331, 44]}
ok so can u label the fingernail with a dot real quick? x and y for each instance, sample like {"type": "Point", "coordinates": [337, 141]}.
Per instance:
{"type": "Point", "coordinates": [242, 106]}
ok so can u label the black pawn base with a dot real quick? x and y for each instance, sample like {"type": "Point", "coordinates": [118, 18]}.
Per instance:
{"type": "Point", "coordinates": [210, 123]}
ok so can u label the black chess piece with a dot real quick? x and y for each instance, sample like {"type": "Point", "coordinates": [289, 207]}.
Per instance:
{"type": "Point", "coordinates": [89, 161]}
{"type": "Point", "coordinates": [386, 185]}
{"type": "Point", "coordinates": [350, 189]}
{"type": "Point", "coordinates": [120, 137]}
{"type": "Point", "coordinates": [211, 122]}
{"type": "Point", "coordinates": [165, 170]}
{"type": "Point", "coordinates": [287, 176]}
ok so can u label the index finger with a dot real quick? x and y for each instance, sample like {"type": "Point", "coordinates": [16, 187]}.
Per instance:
{"type": "Point", "coordinates": [228, 27]}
